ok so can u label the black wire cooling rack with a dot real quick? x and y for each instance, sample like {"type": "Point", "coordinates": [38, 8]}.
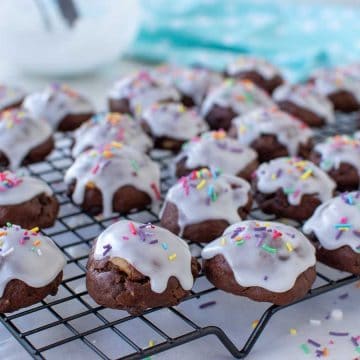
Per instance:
{"type": "Point", "coordinates": [74, 232]}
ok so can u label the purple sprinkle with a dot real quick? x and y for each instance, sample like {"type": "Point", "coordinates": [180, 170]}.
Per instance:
{"type": "Point", "coordinates": [153, 242]}
{"type": "Point", "coordinates": [344, 296]}
{"type": "Point", "coordinates": [141, 234]}
{"type": "Point", "coordinates": [319, 353]}
{"type": "Point", "coordinates": [356, 233]}
{"type": "Point", "coordinates": [260, 228]}
{"type": "Point", "coordinates": [107, 249]}
{"type": "Point", "coordinates": [336, 333]}
{"type": "Point", "coordinates": [236, 150]}
{"type": "Point", "coordinates": [207, 304]}
{"type": "Point", "coordinates": [266, 277]}
{"type": "Point", "coordinates": [354, 341]}
{"type": "Point", "coordinates": [312, 342]}
{"type": "Point", "coordinates": [338, 235]}
{"type": "Point", "coordinates": [278, 173]}
{"type": "Point", "coordinates": [236, 232]}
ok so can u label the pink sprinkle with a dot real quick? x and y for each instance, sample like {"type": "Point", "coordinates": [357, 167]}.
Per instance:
{"type": "Point", "coordinates": [125, 238]}
{"type": "Point", "coordinates": [132, 228]}
{"type": "Point", "coordinates": [156, 191]}
{"type": "Point", "coordinates": [344, 220]}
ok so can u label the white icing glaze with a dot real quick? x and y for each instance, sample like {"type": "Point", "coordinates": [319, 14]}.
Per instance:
{"type": "Point", "coordinates": [249, 63]}
{"type": "Point", "coordinates": [10, 95]}
{"type": "Point", "coordinates": [18, 189]}
{"type": "Point", "coordinates": [142, 90]}
{"type": "Point", "coordinates": [296, 177]}
{"type": "Point", "coordinates": [288, 130]}
{"type": "Point", "coordinates": [265, 254]}
{"type": "Point", "coordinates": [339, 149]}
{"type": "Point", "coordinates": [20, 133]}
{"type": "Point", "coordinates": [193, 82]}
{"type": "Point", "coordinates": [55, 102]}
{"type": "Point", "coordinates": [153, 251]}
{"type": "Point", "coordinates": [104, 128]}
{"type": "Point", "coordinates": [306, 97]}
{"type": "Point", "coordinates": [28, 256]}
{"type": "Point", "coordinates": [215, 150]}
{"type": "Point", "coordinates": [241, 96]}
{"type": "Point", "coordinates": [110, 168]}
{"type": "Point", "coordinates": [336, 223]}
{"type": "Point", "coordinates": [173, 120]}
{"type": "Point", "coordinates": [357, 135]}
{"type": "Point", "coordinates": [330, 81]}
{"type": "Point", "coordinates": [205, 196]}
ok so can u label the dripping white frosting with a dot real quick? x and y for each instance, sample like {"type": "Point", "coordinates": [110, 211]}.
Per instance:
{"type": "Point", "coordinates": [249, 63]}
{"type": "Point", "coordinates": [55, 102]}
{"type": "Point", "coordinates": [296, 177]}
{"type": "Point", "coordinates": [28, 256]}
{"type": "Point", "coordinates": [18, 189]}
{"type": "Point", "coordinates": [142, 90]}
{"type": "Point", "coordinates": [266, 254]}
{"type": "Point", "coordinates": [193, 82]}
{"type": "Point", "coordinates": [239, 95]}
{"type": "Point", "coordinates": [306, 97]}
{"type": "Point", "coordinates": [288, 130]}
{"type": "Point", "coordinates": [103, 128]}
{"type": "Point", "coordinates": [215, 150]}
{"type": "Point", "coordinates": [336, 223]}
{"type": "Point", "coordinates": [10, 95]}
{"type": "Point", "coordinates": [337, 150]}
{"type": "Point", "coordinates": [173, 120]}
{"type": "Point", "coordinates": [205, 195]}
{"type": "Point", "coordinates": [153, 251]}
{"type": "Point", "coordinates": [19, 134]}
{"type": "Point", "coordinates": [111, 168]}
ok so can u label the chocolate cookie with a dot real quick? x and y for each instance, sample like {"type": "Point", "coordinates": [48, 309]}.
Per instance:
{"type": "Point", "coordinates": [10, 97]}
{"type": "Point", "coordinates": [114, 178]}
{"type": "Point", "coordinates": [335, 232]}
{"type": "Point", "coordinates": [31, 267]}
{"type": "Point", "coordinates": [257, 70]}
{"type": "Point", "coordinates": [264, 261]}
{"type": "Point", "coordinates": [273, 133]}
{"type": "Point", "coordinates": [339, 156]}
{"type": "Point", "coordinates": [133, 94]}
{"type": "Point", "coordinates": [202, 205]}
{"type": "Point", "coordinates": [135, 267]}
{"type": "Point", "coordinates": [305, 103]}
{"type": "Point", "coordinates": [26, 201]}
{"type": "Point", "coordinates": [62, 107]}
{"type": "Point", "coordinates": [215, 150]}
{"type": "Point", "coordinates": [104, 128]}
{"type": "Point", "coordinates": [171, 125]}
{"type": "Point", "coordinates": [23, 140]}
{"type": "Point", "coordinates": [291, 188]}
{"type": "Point", "coordinates": [232, 98]}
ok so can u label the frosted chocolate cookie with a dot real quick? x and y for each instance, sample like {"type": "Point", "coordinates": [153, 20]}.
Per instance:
{"type": "Point", "coordinates": [305, 103]}
{"type": "Point", "coordinates": [335, 231]}
{"type": "Point", "coordinates": [104, 128]}
{"type": "Point", "coordinates": [10, 97]}
{"type": "Point", "coordinates": [133, 94]}
{"type": "Point", "coordinates": [31, 267]}
{"type": "Point", "coordinates": [23, 139]}
{"type": "Point", "coordinates": [114, 178]}
{"type": "Point", "coordinates": [339, 156]}
{"type": "Point", "coordinates": [232, 98]}
{"type": "Point", "coordinates": [262, 73]}
{"type": "Point", "coordinates": [26, 201]}
{"type": "Point", "coordinates": [291, 187]}
{"type": "Point", "coordinates": [264, 261]}
{"type": "Point", "coordinates": [215, 150]}
{"type": "Point", "coordinates": [61, 106]}
{"type": "Point", "coordinates": [172, 124]}
{"type": "Point", "coordinates": [200, 206]}
{"type": "Point", "coordinates": [273, 133]}
{"type": "Point", "coordinates": [135, 267]}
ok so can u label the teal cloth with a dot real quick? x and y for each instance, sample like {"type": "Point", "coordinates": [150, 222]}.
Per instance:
{"type": "Point", "coordinates": [297, 37]}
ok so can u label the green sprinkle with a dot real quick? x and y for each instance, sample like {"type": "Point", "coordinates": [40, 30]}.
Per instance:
{"type": "Point", "coordinates": [288, 191]}
{"type": "Point", "coordinates": [239, 242]}
{"type": "Point", "coordinates": [269, 249]}
{"type": "Point", "coordinates": [358, 349]}
{"type": "Point", "coordinates": [9, 224]}
{"type": "Point", "coordinates": [305, 348]}
{"type": "Point", "coordinates": [134, 165]}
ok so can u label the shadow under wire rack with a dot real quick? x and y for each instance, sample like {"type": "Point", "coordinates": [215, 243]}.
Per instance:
{"type": "Point", "coordinates": [71, 317]}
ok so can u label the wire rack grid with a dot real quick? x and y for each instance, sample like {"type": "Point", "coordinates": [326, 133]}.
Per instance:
{"type": "Point", "coordinates": [71, 317]}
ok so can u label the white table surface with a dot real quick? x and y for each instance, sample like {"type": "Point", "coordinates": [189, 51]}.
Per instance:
{"type": "Point", "coordinates": [234, 314]}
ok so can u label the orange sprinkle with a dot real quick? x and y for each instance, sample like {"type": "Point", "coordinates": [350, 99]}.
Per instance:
{"type": "Point", "coordinates": [3, 233]}
{"type": "Point", "coordinates": [90, 185]}
{"type": "Point", "coordinates": [37, 242]}
{"type": "Point", "coordinates": [107, 154]}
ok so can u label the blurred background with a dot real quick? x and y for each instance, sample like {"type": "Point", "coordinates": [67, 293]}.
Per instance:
{"type": "Point", "coordinates": [74, 37]}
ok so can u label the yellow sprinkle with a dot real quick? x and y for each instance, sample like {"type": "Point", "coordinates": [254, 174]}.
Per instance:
{"type": "Point", "coordinates": [254, 324]}
{"type": "Point", "coordinates": [301, 163]}
{"type": "Point", "coordinates": [289, 247]}
{"type": "Point", "coordinates": [1, 243]}
{"type": "Point", "coordinates": [223, 241]}
{"type": "Point", "coordinates": [182, 108]}
{"type": "Point", "coordinates": [293, 332]}
{"type": "Point", "coordinates": [201, 184]}
{"type": "Point", "coordinates": [90, 185]}
{"type": "Point", "coordinates": [242, 129]}
{"type": "Point", "coordinates": [306, 174]}
{"type": "Point", "coordinates": [116, 144]}
{"type": "Point", "coordinates": [35, 229]}
{"type": "Point", "coordinates": [266, 224]}
{"type": "Point", "coordinates": [37, 242]}
{"type": "Point", "coordinates": [273, 176]}
{"type": "Point", "coordinates": [172, 257]}
{"type": "Point", "coordinates": [151, 343]}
